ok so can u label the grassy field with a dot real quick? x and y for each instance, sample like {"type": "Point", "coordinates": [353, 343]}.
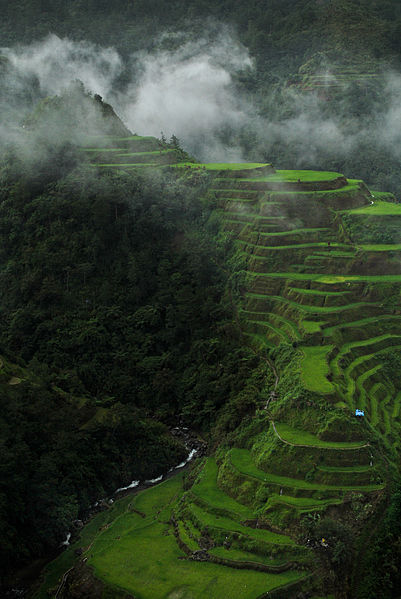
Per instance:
{"type": "Point", "coordinates": [363, 322]}
{"type": "Point", "coordinates": [321, 309]}
{"type": "Point", "coordinates": [242, 461]}
{"type": "Point", "coordinates": [348, 347]}
{"type": "Point", "coordinates": [297, 232]}
{"type": "Point", "coordinates": [206, 488]}
{"type": "Point", "coordinates": [344, 469]}
{"type": "Point", "coordinates": [314, 369]}
{"type": "Point", "coordinates": [318, 292]}
{"type": "Point", "coordinates": [303, 176]}
{"type": "Point", "coordinates": [302, 503]}
{"type": "Point", "coordinates": [149, 564]}
{"type": "Point", "coordinates": [303, 438]}
{"type": "Point", "coordinates": [127, 165]}
{"type": "Point", "coordinates": [384, 196]}
{"type": "Point", "coordinates": [229, 525]}
{"type": "Point", "coordinates": [389, 247]}
{"type": "Point", "coordinates": [243, 556]}
{"type": "Point", "coordinates": [149, 153]}
{"type": "Point", "coordinates": [298, 246]}
{"type": "Point", "coordinates": [142, 556]}
{"type": "Point", "coordinates": [65, 560]}
{"type": "Point", "coordinates": [378, 208]}
{"type": "Point", "coordinates": [312, 326]}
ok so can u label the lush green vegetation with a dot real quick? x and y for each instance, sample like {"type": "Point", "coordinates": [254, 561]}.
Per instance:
{"type": "Point", "coordinates": [315, 451]}
{"type": "Point", "coordinates": [394, 247]}
{"type": "Point", "coordinates": [377, 208]}
{"type": "Point", "coordinates": [330, 279]}
{"type": "Point", "coordinates": [318, 292]}
{"type": "Point", "coordinates": [242, 461]}
{"type": "Point", "coordinates": [120, 552]}
{"type": "Point", "coordinates": [111, 283]}
{"type": "Point", "coordinates": [304, 462]}
{"type": "Point", "coordinates": [303, 176]}
{"type": "Point", "coordinates": [173, 575]}
{"type": "Point", "coordinates": [314, 369]}
{"type": "Point", "coordinates": [122, 300]}
{"type": "Point", "coordinates": [301, 437]}
{"type": "Point", "coordinates": [225, 166]}
{"type": "Point", "coordinates": [207, 489]}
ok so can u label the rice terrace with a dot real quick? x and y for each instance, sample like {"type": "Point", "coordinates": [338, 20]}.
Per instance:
{"type": "Point", "coordinates": [316, 296]}
{"type": "Point", "coordinates": [200, 299]}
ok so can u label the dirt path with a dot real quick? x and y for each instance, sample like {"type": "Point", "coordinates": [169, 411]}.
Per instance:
{"type": "Point", "coordinates": [60, 588]}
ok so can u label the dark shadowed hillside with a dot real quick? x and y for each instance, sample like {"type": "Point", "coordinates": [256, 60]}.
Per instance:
{"type": "Point", "coordinates": [229, 329]}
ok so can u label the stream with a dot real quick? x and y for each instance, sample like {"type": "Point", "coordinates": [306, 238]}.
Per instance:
{"type": "Point", "coordinates": [195, 448]}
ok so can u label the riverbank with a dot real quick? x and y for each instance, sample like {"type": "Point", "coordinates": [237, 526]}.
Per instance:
{"type": "Point", "coordinates": [26, 582]}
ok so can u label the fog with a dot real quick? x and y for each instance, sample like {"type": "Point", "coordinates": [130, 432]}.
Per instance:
{"type": "Point", "coordinates": [188, 92]}
{"type": "Point", "coordinates": [191, 91]}
{"type": "Point", "coordinates": [55, 62]}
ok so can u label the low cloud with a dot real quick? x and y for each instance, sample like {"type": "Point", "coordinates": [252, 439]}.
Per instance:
{"type": "Point", "coordinates": [190, 91]}
{"type": "Point", "coordinates": [53, 63]}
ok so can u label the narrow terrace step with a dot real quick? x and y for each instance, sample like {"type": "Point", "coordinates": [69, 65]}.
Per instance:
{"type": "Point", "coordinates": [289, 325]}
{"type": "Point", "coordinates": [303, 503]}
{"type": "Point", "coordinates": [299, 438]}
{"type": "Point", "coordinates": [265, 328]}
{"type": "Point", "coordinates": [362, 323]}
{"type": "Point", "coordinates": [204, 518]}
{"type": "Point", "coordinates": [241, 460]}
{"type": "Point", "coordinates": [362, 343]}
{"type": "Point", "coordinates": [323, 309]}
{"type": "Point", "coordinates": [237, 193]}
{"type": "Point", "coordinates": [361, 403]}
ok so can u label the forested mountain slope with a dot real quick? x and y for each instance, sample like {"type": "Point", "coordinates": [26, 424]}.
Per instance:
{"type": "Point", "coordinates": [256, 305]}
{"type": "Point", "coordinates": [114, 329]}
{"type": "Point", "coordinates": [328, 66]}
{"type": "Point", "coordinates": [145, 293]}
{"type": "Point", "coordinates": [274, 27]}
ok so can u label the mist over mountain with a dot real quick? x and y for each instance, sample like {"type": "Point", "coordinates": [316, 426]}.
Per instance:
{"type": "Point", "coordinates": [176, 290]}
{"type": "Point", "coordinates": [323, 107]}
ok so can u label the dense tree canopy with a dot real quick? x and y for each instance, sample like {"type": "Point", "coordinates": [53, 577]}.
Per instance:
{"type": "Point", "coordinates": [113, 325]}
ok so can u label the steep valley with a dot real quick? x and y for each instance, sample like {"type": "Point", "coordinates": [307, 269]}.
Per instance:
{"type": "Point", "coordinates": [288, 502]}
{"type": "Point", "coordinates": [200, 361]}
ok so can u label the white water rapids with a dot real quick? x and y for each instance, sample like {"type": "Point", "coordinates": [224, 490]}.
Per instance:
{"type": "Point", "coordinates": [136, 483]}
{"type": "Point", "coordinates": [67, 540]}
{"type": "Point", "coordinates": [153, 481]}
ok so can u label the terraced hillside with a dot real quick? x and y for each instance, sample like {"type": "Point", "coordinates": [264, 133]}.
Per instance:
{"type": "Point", "coordinates": [129, 152]}
{"type": "Point", "coordinates": [329, 79]}
{"type": "Point", "coordinates": [288, 504]}
{"type": "Point", "coordinates": [320, 302]}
